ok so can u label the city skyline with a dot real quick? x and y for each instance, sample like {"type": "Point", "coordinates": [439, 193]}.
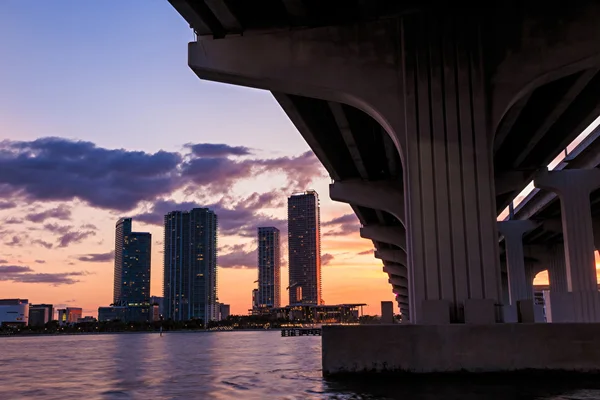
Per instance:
{"type": "Point", "coordinates": [116, 124]}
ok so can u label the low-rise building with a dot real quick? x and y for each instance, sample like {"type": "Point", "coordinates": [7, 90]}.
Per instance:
{"type": "Point", "coordinates": [40, 314]}
{"type": "Point", "coordinates": [69, 315]}
{"type": "Point", "coordinates": [14, 312]}
{"type": "Point", "coordinates": [224, 311]}
{"type": "Point", "coordinates": [128, 313]}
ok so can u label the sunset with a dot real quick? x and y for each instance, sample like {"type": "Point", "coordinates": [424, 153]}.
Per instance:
{"type": "Point", "coordinates": [299, 199]}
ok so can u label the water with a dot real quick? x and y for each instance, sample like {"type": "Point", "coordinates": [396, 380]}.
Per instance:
{"type": "Point", "coordinates": [224, 365]}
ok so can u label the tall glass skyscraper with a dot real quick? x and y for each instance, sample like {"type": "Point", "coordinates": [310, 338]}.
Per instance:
{"type": "Point", "coordinates": [304, 246]}
{"type": "Point", "coordinates": [132, 265]}
{"type": "Point", "coordinates": [269, 263]}
{"type": "Point", "coordinates": [190, 265]}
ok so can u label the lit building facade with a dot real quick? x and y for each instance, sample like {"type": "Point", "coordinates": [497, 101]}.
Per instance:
{"type": "Point", "coordinates": [14, 312]}
{"type": "Point", "coordinates": [132, 265]}
{"type": "Point", "coordinates": [190, 265]}
{"type": "Point", "coordinates": [269, 264]}
{"type": "Point", "coordinates": [69, 315]}
{"type": "Point", "coordinates": [304, 246]}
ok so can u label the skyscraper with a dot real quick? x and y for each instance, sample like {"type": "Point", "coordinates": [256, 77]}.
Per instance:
{"type": "Point", "coordinates": [269, 263]}
{"type": "Point", "coordinates": [304, 246]}
{"type": "Point", "coordinates": [132, 265]}
{"type": "Point", "coordinates": [190, 265]}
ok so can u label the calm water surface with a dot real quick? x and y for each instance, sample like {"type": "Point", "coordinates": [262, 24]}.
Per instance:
{"type": "Point", "coordinates": [225, 365]}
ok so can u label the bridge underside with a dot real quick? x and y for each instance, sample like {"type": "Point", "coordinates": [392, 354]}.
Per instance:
{"type": "Point", "coordinates": [430, 122]}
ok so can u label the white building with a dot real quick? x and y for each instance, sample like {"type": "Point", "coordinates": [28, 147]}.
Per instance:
{"type": "Point", "coordinates": [14, 312]}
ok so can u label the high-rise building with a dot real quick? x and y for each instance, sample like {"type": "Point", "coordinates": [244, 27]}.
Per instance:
{"type": "Point", "coordinates": [190, 265]}
{"type": "Point", "coordinates": [304, 246]}
{"type": "Point", "coordinates": [132, 266]}
{"type": "Point", "coordinates": [14, 312]}
{"type": "Point", "coordinates": [269, 263]}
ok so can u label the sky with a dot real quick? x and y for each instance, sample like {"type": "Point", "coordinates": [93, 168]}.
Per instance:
{"type": "Point", "coordinates": [100, 118]}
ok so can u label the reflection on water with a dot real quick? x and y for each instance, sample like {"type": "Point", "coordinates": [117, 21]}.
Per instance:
{"type": "Point", "coordinates": [225, 365]}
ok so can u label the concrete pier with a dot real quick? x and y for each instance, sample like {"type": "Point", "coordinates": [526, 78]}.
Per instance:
{"type": "Point", "coordinates": [460, 348]}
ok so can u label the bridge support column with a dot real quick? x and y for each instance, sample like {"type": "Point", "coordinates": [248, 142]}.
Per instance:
{"type": "Point", "coordinates": [450, 202]}
{"type": "Point", "coordinates": [573, 188]}
{"type": "Point", "coordinates": [557, 269]}
{"type": "Point", "coordinates": [519, 288]}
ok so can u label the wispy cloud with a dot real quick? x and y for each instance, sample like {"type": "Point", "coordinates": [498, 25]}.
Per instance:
{"type": "Point", "coordinates": [61, 212]}
{"type": "Point", "coordinates": [97, 257]}
{"type": "Point", "coordinates": [24, 274]}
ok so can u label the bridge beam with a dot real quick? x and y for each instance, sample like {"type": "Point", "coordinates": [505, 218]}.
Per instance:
{"type": "Point", "coordinates": [513, 231]}
{"type": "Point", "coordinates": [395, 235]}
{"type": "Point", "coordinates": [381, 195]}
{"type": "Point", "coordinates": [396, 269]}
{"type": "Point", "coordinates": [396, 256]}
{"type": "Point", "coordinates": [573, 187]}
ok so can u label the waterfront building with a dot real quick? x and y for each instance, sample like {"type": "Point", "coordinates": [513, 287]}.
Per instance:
{"type": "Point", "coordinates": [255, 300]}
{"type": "Point", "coordinates": [224, 311]}
{"type": "Point", "coordinates": [315, 313]}
{"type": "Point", "coordinates": [69, 315]}
{"type": "Point", "coordinates": [146, 313]}
{"type": "Point", "coordinates": [269, 264]}
{"type": "Point", "coordinates": [159, 301]}
{"type": "Point", "coordinates": [14, 312]}
{"type": "Point", "coordinates": [304, 246]}
{"type": "Point", "coordinates": [190, 265]}
{"type": "Point", "coordinates": [40, 314]}
{"type": "Point", "coordinates": [132, 265]}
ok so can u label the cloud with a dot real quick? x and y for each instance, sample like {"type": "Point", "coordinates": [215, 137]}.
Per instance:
{"type": "Point", "coordinates": [43, 243]}
{"type": "Point", "coordinates": [238, 257]}
{"type": "Point", "coordinates": [69, 235]}
{"type": "Point", "coordinates": [74, 237]}
{"type": "Point", "coordinates": [341, 226]}
{"type": "Point", "coordinates": [366, 252]}
{"type": "Point", "coordinates": [13, 221]}
{"type": "Point", "coordinates": [13, 269]}
{"type": "Point", "coordinates": [217, 150]}
{"type": "Point", "coordinates": [326, 259]}
{"type": "Point", "coordinates": [16, 241]}
{"type": "Point", "coordinates": [40, 261]}
{"type": "Point", "coordinates": [242, 217]}
{"type": "Point", "coordinates": [57, 169]}
{"type": "Point", "coordinates": [61, 212]}
{"type": "Point", "coordinates": [24, 274]}
{"type": "Point", "coordinates": [98, 257]}
{"type": "Point", "coordinates": [5, 205]}
{"type": "Point", "coordinates": [2, 261]}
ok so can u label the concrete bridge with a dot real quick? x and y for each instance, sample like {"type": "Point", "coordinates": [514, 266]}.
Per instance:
{"type": "Point", "coordinates": [430, 121]}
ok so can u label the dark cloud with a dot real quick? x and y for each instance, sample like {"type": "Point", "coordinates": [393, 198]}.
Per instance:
{"type": "Point", "coordinates": [238, 257]}
{"type": "Point", "coordinates": [40, 261]}
{"type": "Point", "coordinates": [13, 269]}
{"type": "Point", "coordinates": [326, 258]}
{"type": "Point", "coordinates": [239, 218]}
{"type": "Point", "coordinates": [217, 150]}
{"type": "Point", "coordinates": [5, 205]}
{"type": "Point", "coordinates": [366, 252]}
{"type": "Point", "coordinates": [74, 237]}
{"type": "Point", "coordinates": [68, 234]}
{"type": "Point", "coordinates": [24, 274]}
{"type": "Point", "coordinates": [43, 243]}
{"type": "Point", "coordinates": [55, 169]}
{"type": "Point", "coordinates": [16, 241]}
{"type": "Point", "coordinates": [341, 226]}
{"type": "Point", "coordinates": [2, 261]}
{"type": "Point", "coordinates": [98, 257]}
{"type": "Point", "coordinates": [61, 212]}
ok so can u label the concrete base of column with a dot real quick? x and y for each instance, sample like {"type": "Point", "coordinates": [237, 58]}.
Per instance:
{"type": "Point", "coordinates": [568, 306]}
{"type": "Point", "coordinates": [471, 348]}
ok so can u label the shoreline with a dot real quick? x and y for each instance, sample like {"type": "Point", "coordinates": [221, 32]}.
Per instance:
{"type": "Point", "coordinates": [131, 333]}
